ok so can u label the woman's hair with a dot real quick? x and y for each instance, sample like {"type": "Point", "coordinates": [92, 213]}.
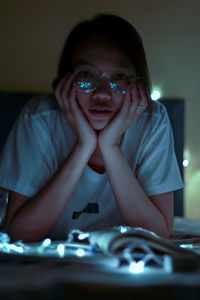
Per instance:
{"type": "Point", "coordinates": [120, 32]}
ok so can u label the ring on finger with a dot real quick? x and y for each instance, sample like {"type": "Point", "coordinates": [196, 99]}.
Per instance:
{"type": "Point", "coordinates": [141, 107]}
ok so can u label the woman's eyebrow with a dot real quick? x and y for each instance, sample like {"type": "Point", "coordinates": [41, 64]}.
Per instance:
{"type": "Point", "coordinates": [121, 64]}
{"type": "Point", "coordinates": [83, 63]}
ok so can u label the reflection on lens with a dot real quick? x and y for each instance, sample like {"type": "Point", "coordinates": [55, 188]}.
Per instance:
{"type": "Point", "coordinates": [87, 81]}
{"type": "Point", "coordinates": [84, 85]}
{"type": "Point", "coordinates": [113, 85]}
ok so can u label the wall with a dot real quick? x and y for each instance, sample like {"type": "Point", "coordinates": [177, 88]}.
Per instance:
{"type": "Point", "coordinates": [33, 32]}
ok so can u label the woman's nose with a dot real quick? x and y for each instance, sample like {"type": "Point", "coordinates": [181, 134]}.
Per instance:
{"type": "Point", "coordinates": [102, 91]}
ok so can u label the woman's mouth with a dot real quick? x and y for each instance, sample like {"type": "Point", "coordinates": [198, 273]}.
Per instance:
{"type": "Point", "coordinates": [100, 112]}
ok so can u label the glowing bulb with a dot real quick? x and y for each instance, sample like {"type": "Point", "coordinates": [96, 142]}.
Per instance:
{"type": "Point", "coordinates": [168, 263]}
{"type": "Point", "coordinates": [46, 242]}
{"type": "Point", "coordinates": [187, 154]}
{"type": "Point", "coordinates": [80, 252]}
{"type": "Point", "coordinates": [136, 267]}
{"type": "Point", "coordinates": [156, 94]}
{"type": "Point", "coordinates": [186, 163]}
{"type": "Point", "coordinates": [123, 229]}
{"type": "Point", "coordinates": [14, 248]}
{"type": "Point", "coordinates": [61, 250]}
{"type": "Point", "coordinates": [83, 236]}
{"type": "Point", "coordinates": [187, 246]}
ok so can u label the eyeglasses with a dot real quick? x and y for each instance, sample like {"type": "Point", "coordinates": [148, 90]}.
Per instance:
{"type": "Point", "coordinates": [88, 80]}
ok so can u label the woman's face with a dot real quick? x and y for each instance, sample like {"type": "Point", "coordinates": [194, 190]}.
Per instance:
{"type": "Point", "coordinates": [101, 57]}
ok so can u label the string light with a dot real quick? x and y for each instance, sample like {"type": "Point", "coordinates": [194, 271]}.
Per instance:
{"type": "Point", "coordinates": [10, 247]}
{"type": "Point", "coordinates": [187, 158]}
{"type": "Point", "coordinates": [123, 229]}
{"type": "Point", "coordinates": [80, 252]}
{"type": "Point", "coordinates": [61, 250]}
{"type": "Point", "coordinates": [45, 244]}
{"type": "Point", "coordinates": [83, 236]}
{"type": "Point", "coordinates": [135, 252]}
{"type": "Point", "coordinates": [136, 267]}
{"type": "Point", "coordinates": [156, 94]}
{"type": "Point", "coordinates": [186, 246]}
{"type": "Point", "coordinates": [186, 163]}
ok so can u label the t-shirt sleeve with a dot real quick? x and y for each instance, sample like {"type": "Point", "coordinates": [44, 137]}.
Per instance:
{"type": "Point", "coordinates": [157, 169]}
{"type": "Point", "coordinates": [24, 163]}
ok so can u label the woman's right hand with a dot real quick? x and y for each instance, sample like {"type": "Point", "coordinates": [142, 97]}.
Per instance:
{"type": "Point", "coordinates": [65, 95]}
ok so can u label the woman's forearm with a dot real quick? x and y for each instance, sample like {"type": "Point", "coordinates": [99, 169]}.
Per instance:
{"type": "Point", "coordinates": [36, 217]}
{"type": "Point", "coordinates": [135, 206]}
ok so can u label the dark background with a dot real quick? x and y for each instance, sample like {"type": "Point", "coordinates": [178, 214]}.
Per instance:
{"type": "Point", "coordinates": [33, 32]}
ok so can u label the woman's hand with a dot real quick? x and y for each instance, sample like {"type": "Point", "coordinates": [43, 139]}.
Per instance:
{"type": "Point", "coordinates": [133, 105]}
{"type": "Point", "coordinates": [65, 94]}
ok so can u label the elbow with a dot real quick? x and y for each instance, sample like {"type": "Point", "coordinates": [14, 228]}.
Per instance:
{"type": "Point", "coordinates": [165, 231]}
{"type": "Point", "coordinates": [164, 226]}
{"type": "Point", "coordinates": [13, 232]}
{"type": "Point", "coordinates": [16, 233]}
{"type": "Point", "coordinates": [165, 234]}
{"type": "Point", "coordinates": [162, 229]}
{"type": "Point", "coordinates": [13, 235]}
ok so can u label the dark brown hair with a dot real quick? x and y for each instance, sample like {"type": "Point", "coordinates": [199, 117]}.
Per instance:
{"type": "Point", "coordinates": [118, 31]}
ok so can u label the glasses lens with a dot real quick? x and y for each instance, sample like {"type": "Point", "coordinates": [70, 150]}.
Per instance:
{"type": "Point", "coordinates": [120, 82]}
{"type": "Point", "coordinates": [85, 80]}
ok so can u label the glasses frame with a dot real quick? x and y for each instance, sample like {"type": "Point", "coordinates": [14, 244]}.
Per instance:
{"type": "Point", "coordinates": [100, 76]}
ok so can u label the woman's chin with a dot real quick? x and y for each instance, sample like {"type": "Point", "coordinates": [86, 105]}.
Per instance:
{"type": "Point", "coordinates": [98, 125]}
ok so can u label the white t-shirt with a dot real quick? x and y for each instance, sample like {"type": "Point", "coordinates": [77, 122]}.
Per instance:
{"type": "Point", "coordinates": [41, 140]}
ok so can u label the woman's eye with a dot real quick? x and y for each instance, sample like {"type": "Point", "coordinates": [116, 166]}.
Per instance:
{"type": "Point", "coordinates": [85, 74]}
{"type": "Point", "coordinates": [120, 76]}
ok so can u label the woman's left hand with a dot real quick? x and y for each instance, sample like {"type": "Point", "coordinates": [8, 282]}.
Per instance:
{"type": "Point", "coordinates": [133, 105]}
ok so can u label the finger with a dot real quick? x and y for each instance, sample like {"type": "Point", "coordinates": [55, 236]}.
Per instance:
{"type": "Point", "coordinates": [142, 101]}
{"type": "Point", "coordinates": [74, 106]}
{"type": "Point", "coordinates": [59, 90]}
{"type": "Point", "coordinates": [72, 101]}
{"type": "Point", "coordinates": [67, 107]}
{"type": "Point", "coordinates": [123, 111]}
{"type": "Point", "coordinates": [61, 84]}
{"type": "Point", "coordinates": [134, 91]}
{"type": "Point", "coordinates": [142, 96]}
{"type": "Point", "coordinates": [66, 94]}
{"type": "Point", "coordinates": [134, 101]}
{"type": "Point", "coordinates": [128, 97]}
{"type": "Point", "coordinates": [66, 87]}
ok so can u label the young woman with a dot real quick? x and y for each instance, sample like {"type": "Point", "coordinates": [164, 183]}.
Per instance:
{"type": "Point", "coordinates": [97, 153]}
